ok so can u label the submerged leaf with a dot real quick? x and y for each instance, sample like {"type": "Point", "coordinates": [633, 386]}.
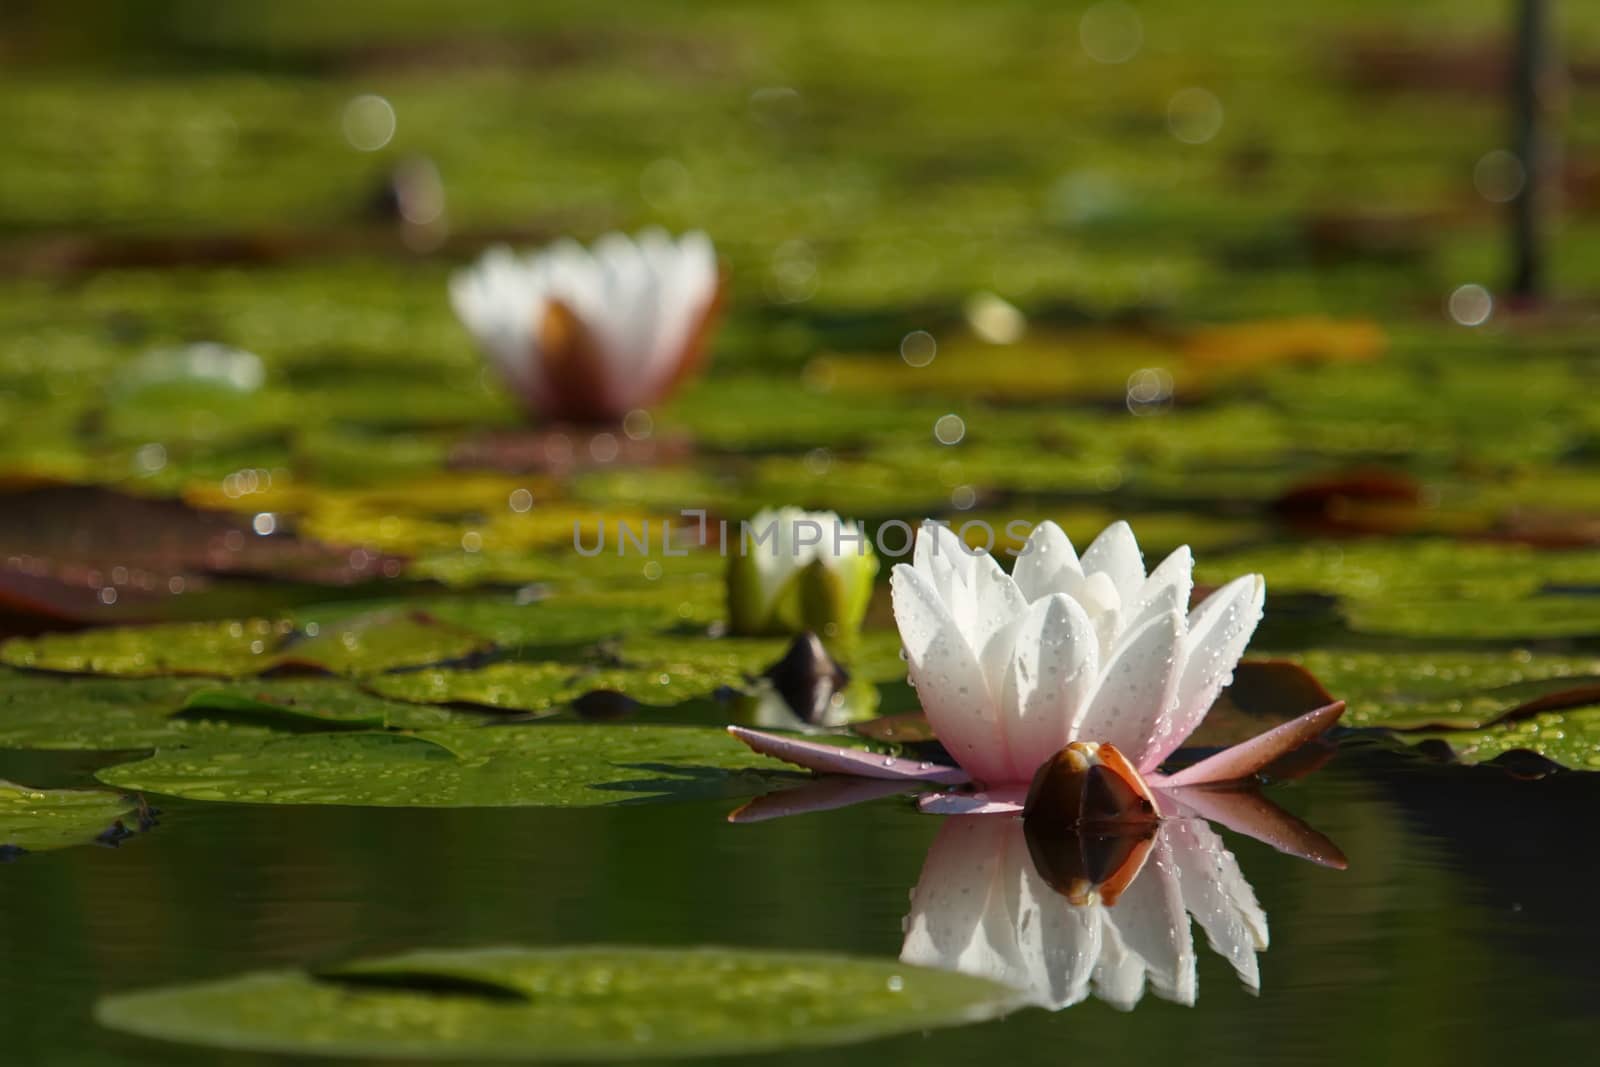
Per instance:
{"type": "Point", "coordinates": [561, 1004]}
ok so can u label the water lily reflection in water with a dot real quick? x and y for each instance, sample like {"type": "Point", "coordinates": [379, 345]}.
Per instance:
{"type": "Point", "coordinates": [1059, 917]}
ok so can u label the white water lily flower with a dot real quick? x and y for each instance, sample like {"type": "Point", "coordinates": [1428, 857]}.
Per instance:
{"type": "Point", "coordinates": [797, 570]}
{"type": "Point", "coordinates": [982, 907]}
{"type": "Point", "coordinates": [1012, 668]}
{"type": "Point", "coordinates": [592, 333]}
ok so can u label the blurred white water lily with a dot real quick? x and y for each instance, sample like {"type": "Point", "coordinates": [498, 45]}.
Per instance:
{"type": "Point", "coordinates": [1012, 668]}
{"type": "Point", "coordinates": [986, 905]}
{"type": "Point", "coordinates": [592, 334]}
{"type": "Point", "coordinates": [796, 570]}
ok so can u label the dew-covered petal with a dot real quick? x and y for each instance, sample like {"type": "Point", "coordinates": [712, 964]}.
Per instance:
{"type": "Point", "coordinates": [835, 759]}
{"type": "Point", "coordinates": [1135, 689]}
{"type": "Point", "coordinates": [998, 608]}
{"type": "Point", "coordinates": [1218, 631]}
{"type": "Point", "coordinates": [947, 676]}
{"type": "Point", "coordinates": [1047, 564]}
{"type": "Point", "coordinates": [942, 558]}
{"type": "Point", "coordinates": [1103, 604]}
{"type": "Point", "coordinates": [1051, 676]}
{"type": "Point", "coordinates": [1115, 553]}
{"type": "Point", "coordinates": [1247, 757]}
{"type": "Point", "coordinates": [1172, 582]}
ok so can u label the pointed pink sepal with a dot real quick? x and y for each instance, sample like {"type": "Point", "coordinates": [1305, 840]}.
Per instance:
{"type": "Point", "coordinates": [819, 794]}
{"type": "Point", "coordinates": [1002, 800]}
{"type": "Point", "coordinates": [1247, 757]}
{"type": "Point", "coordinates": [832, 759]}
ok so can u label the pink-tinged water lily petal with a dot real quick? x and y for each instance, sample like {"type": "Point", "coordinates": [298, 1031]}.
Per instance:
{"type": "Point", "coordinates": [1247, 757]}
{"type": "Point", "coordinates": [1048, 564]}
{"type": "Point", "coordinates": [1001, 800]}
{"type": "Point", "coordinates": [960, 916]}
{"type": "Point", "coordinates": [1171, 582]}
{"type": "Point", "coordinates": [998, 610]}
{"type": "Point", "coordinates": [1101, 602]}
{"type": "Point", "coordinates": [1135, 690]}
{"type": "Point", "coordinates": [1052, 672]}
{"type": "Point", "coordinates": [1153, 927]}
{"type": "Point", "coordinates": [1216, 894]}
{"type": "Point", "coordinates": [1115, 553]}
{"type": "Point", "coordinates": [823, 794]}
{"type": "Point", "coordinates": [938, 557]}
{"type": "Point", "coordinates": [1247, 812]}
{"type": "Point", "coordinates": [832, 759]}
{"type": "Point", "coordinates": [948, 678]}
{"type": "Point", "coordinates": [1219, 630]}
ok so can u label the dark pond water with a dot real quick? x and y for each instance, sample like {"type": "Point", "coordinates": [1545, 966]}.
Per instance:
{"type": "Point", "coordinates": [1460, 933]}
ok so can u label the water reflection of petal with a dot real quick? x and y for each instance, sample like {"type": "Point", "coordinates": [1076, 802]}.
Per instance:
{"type": "Point", "coordinates": [984, 906]}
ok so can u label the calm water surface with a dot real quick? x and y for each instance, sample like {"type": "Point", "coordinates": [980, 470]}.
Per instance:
{"type": "Point", "coordinates": [1461, 933]}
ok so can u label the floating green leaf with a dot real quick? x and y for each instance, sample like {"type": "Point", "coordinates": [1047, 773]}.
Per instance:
{"type": "Point", "coordinates": [311, 704]}
{"type": "Point", "coordinates": [220, 649]}
{"type": "Point", "coordinates": [1409, 689]}
{"type": "Point", "coordinates": [493, 766]}
{"type": "Point", "coordinates": [1570, 738]}
{"type": "Point", "coordinates": [1382, 573]}
{"type": "Point", "coordinates": [380, 641]}
{"type": "Point", "coordinates": [1478, 618]}
{"type": "Point", "coordinates": [39, 820]}
{"type": "Point", "coordinates": [365, 642]}
{"type": "Point", "coordinates": [535, 686]}
{"type": "Point", "coordinates": [45, 711]}
{"type": "Point", "coordinates": [561, 1004]}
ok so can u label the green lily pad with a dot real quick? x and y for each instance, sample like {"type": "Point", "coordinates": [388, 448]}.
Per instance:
{"type": "Point", "coordinates": [514, 685]}
{"type": "Point", "coordinates": [1478, 619]}
{"type": "Point", "coordinates": [311, 704]}
{"type": "Point", "coordinates": [647, 669]}
{"type": "Point", "coordinates": [43, 711]}
{"type": "Point", "coordinates": [355, 643]}
{"type": "Point", "coordinates": [1404, 690]}
{"type": "Point", "coordinates": [1570, 738]}
{"type": "Point", "coordinates": [220, 649]}
{"type": "Point", "coordinates": [39, 820]}
{"type": "Point", "coordinates": [654, 669]}
{"type": "Point", "coordinates": [494, 766]}
{"type": "Point", "coordinates": [1381, 573]}
{"type": "Point", "coordinates": [561, 1004]}
{"type": "Point", "coordinates": [380, 641]}
{"type": "Point", "coordinates": [1480, 704]}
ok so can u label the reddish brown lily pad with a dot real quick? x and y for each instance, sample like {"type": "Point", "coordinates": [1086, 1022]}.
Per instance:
{"type": "Point", "coordinates": [74, 554]}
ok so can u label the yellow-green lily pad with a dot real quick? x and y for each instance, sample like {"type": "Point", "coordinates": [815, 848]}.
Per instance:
{"type": "Point", "coordinates": [587, 1003]}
